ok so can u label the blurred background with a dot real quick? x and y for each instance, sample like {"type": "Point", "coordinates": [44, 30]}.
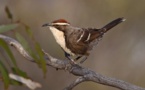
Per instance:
{"type": "Point", "coordinates": [120, 54]}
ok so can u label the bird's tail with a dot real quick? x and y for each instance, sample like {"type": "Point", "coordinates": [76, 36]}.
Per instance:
{"type": "Point", "coordinates": [112, 24]}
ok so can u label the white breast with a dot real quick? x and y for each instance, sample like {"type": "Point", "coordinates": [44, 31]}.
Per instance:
{"type": "Point", "coordinates": [60, 39]}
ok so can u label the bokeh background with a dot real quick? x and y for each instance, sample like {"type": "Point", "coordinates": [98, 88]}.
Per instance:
{"type": "Point", "coordinates": [120, 54]}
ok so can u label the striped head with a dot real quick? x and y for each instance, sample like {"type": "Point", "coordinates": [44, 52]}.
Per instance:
{"type": "Point", "coordinates": [59, 24]}
{"type": "Point", "coordinates": [58, 28]}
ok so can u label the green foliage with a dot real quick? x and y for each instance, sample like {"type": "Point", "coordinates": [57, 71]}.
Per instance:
{"type": "Point", "coordinates": [5, 28]}
{"type": "Point", "coordinates": [29, 31]}
{"type": "Point", "coordinates": [23, 41]}
{"type": "Point", "coordinates": [13, 82]}
{"type": "Point", "coordinates": [37, 53]}
{"type": "Point", "coordinates": [25, 45]}
{"type": "Point", "coordinates": [4, 45]}
{"type": "Point", "coordinates": [4, 73]}
{"type": "Point", "coordinates": [19, 72]}
{"type": "Point", "coordinates": [15, 68]}
{"type": "Point", "coordinates": [41, 57]}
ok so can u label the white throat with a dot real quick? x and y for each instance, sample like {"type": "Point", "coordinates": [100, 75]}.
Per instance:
{"type": "Point", "coordinates": [60, 39]}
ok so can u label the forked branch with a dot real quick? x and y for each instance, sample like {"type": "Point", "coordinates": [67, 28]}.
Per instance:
{"type": "Point", "coordinates": [77, 70]}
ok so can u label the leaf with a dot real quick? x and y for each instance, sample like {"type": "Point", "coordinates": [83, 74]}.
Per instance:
{"type": "Point", "coordinates": [5, 28]}
{"type": "Point", "coordinates": [7, 49]}
{"type": "Point", "coordinates": [10, 54]}
{"type": "Point", "coordinates": [21, 73]}
{"type": "Point", "coordinates": [9, 14]}
{"type": "Point", "coordinates": [24, 43]}
{"type": "Point", "coordinates": [14, 82]}
{"type": "Point", "coordinates": [5, 75]}
{"type": "Point", "coordinates": [22, 40]}
{"type": "Point", "coordinates": [41, 58]}
{"type": "Point", "coordinates": [28, 30]}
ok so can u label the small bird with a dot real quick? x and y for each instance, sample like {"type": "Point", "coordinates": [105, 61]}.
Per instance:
{"type": "Point", "coordinates": [77, 41]}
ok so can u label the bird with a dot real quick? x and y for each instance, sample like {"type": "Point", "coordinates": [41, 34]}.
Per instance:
{"type": "Point", "coordinates": [75, 41]}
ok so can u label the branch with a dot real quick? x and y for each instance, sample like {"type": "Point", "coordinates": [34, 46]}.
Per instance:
{"type": "Point", "coordinates": [77, 70]}
{"type": "Point", "coordinates": [28, 82]}
{"type": "Point", "coordinates": [74, 83]}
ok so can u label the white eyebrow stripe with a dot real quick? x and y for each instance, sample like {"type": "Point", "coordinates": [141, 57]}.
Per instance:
{"type": "Point", "coordinates": [88, 37]}
{"type": "Point", "coordinates": [80, 37]}
{"type": "Point", "coordinates": [60, 24]}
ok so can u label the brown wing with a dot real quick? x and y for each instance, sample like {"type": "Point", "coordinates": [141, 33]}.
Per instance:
{"type": "Point", "coordinates": [93, 36]}
{"type": "Point", "coordinates": [82, 40]}
{"type": "Point", "coordinates": [75, 41]}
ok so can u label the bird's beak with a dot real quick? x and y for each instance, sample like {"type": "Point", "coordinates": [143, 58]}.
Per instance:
{"type": "Point", "coordinates": [46, 24]}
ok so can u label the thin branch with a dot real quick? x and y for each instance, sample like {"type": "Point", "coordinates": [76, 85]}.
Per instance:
{"type": "Point", "coordinates": [28, 82]}
{"type": "Point", "coordinates": [75, 83]}
{"type": "Point", "coordinates": [77, 70]}
{"type": "Point", "coordinates": [17, 45]}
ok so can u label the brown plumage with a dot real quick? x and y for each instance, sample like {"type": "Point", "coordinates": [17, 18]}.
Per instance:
{"type": "Point", "coordinates": [78, 41]}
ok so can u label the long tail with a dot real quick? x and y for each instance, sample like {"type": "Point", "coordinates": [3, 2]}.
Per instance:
{"type": "Point", "coordinates": [100, 32]}
{"type": "Point", "coordinates": [112, 24]}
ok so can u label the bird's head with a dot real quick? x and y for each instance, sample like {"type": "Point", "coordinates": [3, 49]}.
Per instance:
{"type": "Point", "coordinates": [59, 24]}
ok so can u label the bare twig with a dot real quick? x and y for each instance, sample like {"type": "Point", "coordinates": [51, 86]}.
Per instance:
{"type": "Point", "coordinates": [84, 73]}
{"type": "Point", "coordinates": [74, 83]}
{"type": "Point", "coordinates": [17, 45]}
{"type": "Point", "coordinates": [28, 82]}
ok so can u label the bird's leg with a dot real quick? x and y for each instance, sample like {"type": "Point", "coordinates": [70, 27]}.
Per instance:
{"type": "Point", "coordinates": [83, 60]}
{"type": "Point", "coordinates": [77, 58]}
{"type": "Point", "coordinates": [68, 56]}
